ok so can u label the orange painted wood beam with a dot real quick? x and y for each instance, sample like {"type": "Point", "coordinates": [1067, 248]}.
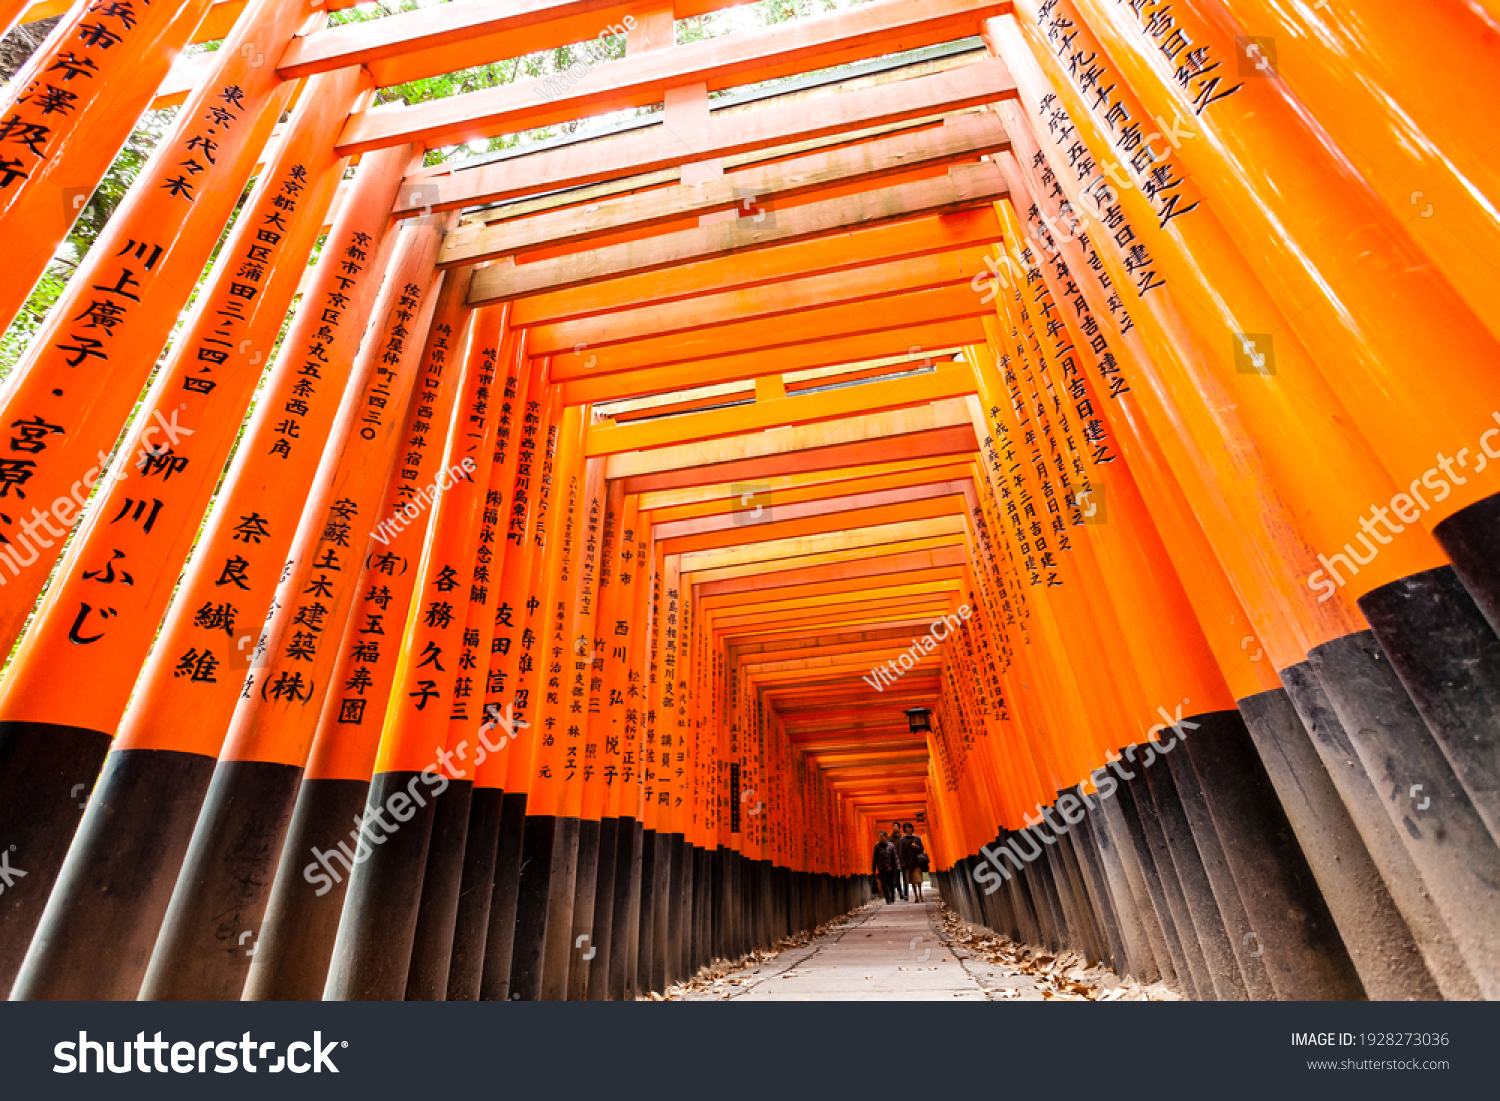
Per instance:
{"type": "Point", "coordinates": [762, 598]}
{"type": "Point", "coordinates": [778, 632]}
{"type": "Point", "coordinates": [868, 565]}
{"type": "Point", "coordinates": [851, 612]}
{"type": "Point", "coordinates": [770, 300]}
{"type": "Point", "coordinates": [701, 455]}
{"type": "Point", "coordinates": [927, 442]}
{"type": "Point", "coordinates": [841, 319]}
{"type": "Point", "coordinates": [728, 602]}
{"type": "Point", "coordinates": [787, 551]}
{"type": "Point", "coordinates": [851, 693]}
{"type": "Point", "coordinates": [963, 138]}
{"type": "Point", "coordinates": [852, 520]}
{"type": "Point", "coordinates": [843, 503]}
{"type": "Point", "coordinates": [964, 186]}
{"type": "Point", "coordinates": [605, 439]}
{"type": "Point", "coordinates": [450, 187]}
{"type": "Point", "coordinates": [830, 352]}
{"type": "Point", "coordinates": [642, 79]}
{"type": "Point", "coordinates": [749, 648]}
{"type": "Point", "coordinates": [922, 236]}
{"type": "Point", "coordinates": [922, 475]}
{"type": "Point", "coordinates": [661, 505]}
{"type": "Point", "coordinates": [702, 578]}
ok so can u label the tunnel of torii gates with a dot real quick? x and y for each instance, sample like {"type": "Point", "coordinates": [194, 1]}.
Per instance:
{"type": "Point", "coordinates": [1068, 426]}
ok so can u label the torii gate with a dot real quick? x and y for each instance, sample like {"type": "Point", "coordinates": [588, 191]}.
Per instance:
{"type": "Point", "coordinates": [523, 601]}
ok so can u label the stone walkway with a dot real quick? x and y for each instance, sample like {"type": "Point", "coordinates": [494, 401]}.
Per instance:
{"type": "Point", "coordinates": [881, 953]}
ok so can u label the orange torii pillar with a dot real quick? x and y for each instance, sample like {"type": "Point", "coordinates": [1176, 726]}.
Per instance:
{"type": "Point", "coordinates": [656, 868]}
{"type": "Point", "coordinates": [227, 874]}
{"type": "Point", "coordinates": [307, 897]}
{"type": "Point", "coordinates": [68, 111]}
{"type": "Point", "coordinates": [448, 852]}
{"type": "Point", "coordinates": [549, 845]}
{"type": "Point", "coordinates": [670, 923]}
{"type": "Point", "coordinates": [1321, 644]}
{"type": "Point", "coordinates": [627, 970]}
{"type": "Point", "coordinates": [212, 374]}
{"type": "Point", "coordinates": [65, 404]}
{"type": "Point", "coordinates": [1417, 381]}
{"type": "Point", "coordinates": [578, 768]}
{"type": "Point", "coordinates": [1188, 940]}
{"type": "Point", "coordinates": [1336, 855]}
{"type": "Point", "coordinates": [88, 363]}
{"type": "Point", "coordinates": [512, 651]}
{"type": "Point", "coordinates": [375, 955]}
{"type": "Point", "coordinates": [519, 378]}
{"type": "Point", "coordinates": [607, 654]}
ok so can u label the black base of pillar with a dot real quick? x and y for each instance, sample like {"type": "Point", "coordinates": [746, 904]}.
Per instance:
{"type": "Point", "coordinates": [475, 896]}
{"type": "Point", "coordinates": [560, 938]}
{"type": "Point", "coordinates": [624, 960]}
{"type": "Point", "coordinates": [1379, 942]}
{"type": "Point", "coordinates": [100, 924]}
{"type": "Point", "coordinates": [500, 939]}
{"type": "Point", "coordinates": [646, 922]}
{"type": "Point", "coordinates": [603, 938]}
{"type": "Point", "coordinates": [372, 955]}
{"type": "Point", "coordinates": [1448, 659]}
{"type": "Point", "coordinates": [215, 914]}
{"type": "Point", "coordinates": [307, 897]}
{"type": "Point", "coordinates": [1302, 950]}
{"type": "Point", "coordinates": [1471, 536]}
{"type": "Point", "coordinates": [46, 774]}
{"type": "Point", "coordinates": [437, 916]}
{"type": "Point", "coordinates": [532, 890]}
{"type": "Point", "coordinates": [1432, 813]}
{"type": "Point", "coordinates": [583, 950]}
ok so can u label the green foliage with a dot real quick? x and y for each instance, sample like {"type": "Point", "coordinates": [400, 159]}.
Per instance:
{"type": "Point", "coordinates": [765, 13]}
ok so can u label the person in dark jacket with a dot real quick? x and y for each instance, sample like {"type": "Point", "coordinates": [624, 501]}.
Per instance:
{"type": "Point", "coordinates": [885, 863]}
{"type": "Point", "coordinates": [900, 868]}
{"type": "Point", "coordinates": [912, 851]}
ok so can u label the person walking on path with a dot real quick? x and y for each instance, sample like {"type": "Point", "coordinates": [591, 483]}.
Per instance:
{"type": "Point", "coordinates": [900, 868]}
{"type": "Point", "coordinates": [913, 858]}
{"type": "Point", "coordinates": [885, 862]}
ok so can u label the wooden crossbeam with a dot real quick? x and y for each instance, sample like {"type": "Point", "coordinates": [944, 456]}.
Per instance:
{"type": "Point", "coordinates": [964, 186]}
{"type": "Point", "coordinates": [788, 549]}
{"type": "Point", "coordinates": [445, 187]}
{"type": "Point", "coordinates": [747, 600]}
{"type": "Point", "coordinates": [810, 409]}
{"type": "Point", "coordinates": [759, 625]}
{"type": "Point", "coordinates": [850, 521]}
{"type": "Point", "coordinates": [923, 236]}
{"type": "Point", "coordinates": [773, 300]}
{"type": "Point", "coordinates": [748, 649]}
{"type": "Point", "coordinates": [726, 495]}
{"type": "Point", "coordinates": [777, 441]}
{"type": "Point", "coordinates": [407, 46]}
{"type": "Point", "coordinates": [742, 365]}
{"type": "Point", "coordinates": [888, 26]}
{"type": "Point", "coordinates": [865, 566]}
{"type": "Point", "coordinates": [842, 319]}
{"type": "Point", "coordinates": [857, 497]}
{"type": "Point", "coordinates": [443, 39]}
{"type": "Point", "coordinates": [923, 443]}
{"type": "Point", "coordinates": [965, 137]}
{"type": "Point", "coordinates": [751, 570]}
{"type": "Point", "coordinates": [743, 501]}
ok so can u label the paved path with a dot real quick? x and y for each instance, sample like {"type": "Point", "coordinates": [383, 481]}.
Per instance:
{"type": "Point", "coordinates": [882, 953]}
